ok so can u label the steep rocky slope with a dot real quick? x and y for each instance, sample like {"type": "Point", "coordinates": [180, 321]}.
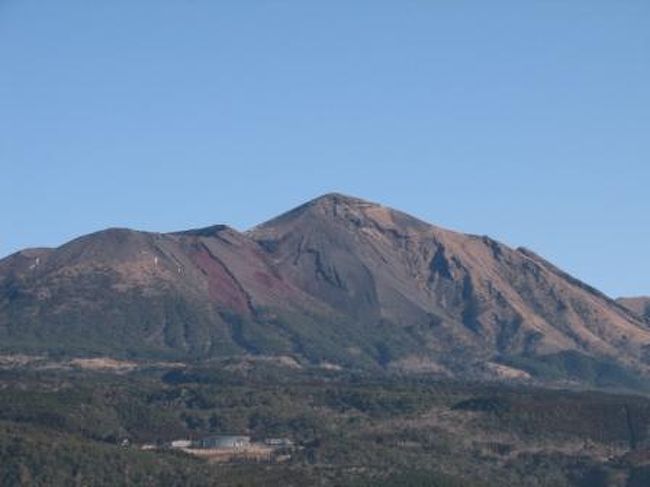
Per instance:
{"type": "Point", "coordinates": [338, 280]}
{"type": "Point", "coordinates": [452, 290]}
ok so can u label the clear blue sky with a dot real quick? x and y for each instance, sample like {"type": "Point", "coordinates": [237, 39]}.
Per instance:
{"type": "Point", "coordinates": [525, 120]}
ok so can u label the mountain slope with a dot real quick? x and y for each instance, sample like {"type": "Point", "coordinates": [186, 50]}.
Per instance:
{"type": "Point", "coordinates": [639, 305]}
{"type": "Point", "coordinates": [455, 290]}
{"type": "Point", "coordinates": [337, 280]}
{"type": "Point", "coordinates": [194, 293]}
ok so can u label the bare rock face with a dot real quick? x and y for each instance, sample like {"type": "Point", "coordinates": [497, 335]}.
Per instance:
{"type": "Point", "coordinates": [337, 280]}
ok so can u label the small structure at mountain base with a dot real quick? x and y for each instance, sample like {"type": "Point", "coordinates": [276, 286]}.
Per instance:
{"type": "Point", "coordinates": [181, 444]}
{"type": "Point", "coordinates": [223, 442]}
{"type": "Point", "coordinates": [278, 442]}
{"type": "Point", "coordinates": [237, 448]}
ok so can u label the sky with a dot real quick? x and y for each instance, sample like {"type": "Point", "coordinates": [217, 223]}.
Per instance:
{"type": "Point", "coordinates": [526, 121]}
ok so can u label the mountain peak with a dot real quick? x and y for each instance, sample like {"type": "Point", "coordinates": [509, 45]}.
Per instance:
{"type": "Point", "coordinates": [330, 206]}
{"type": "Point", "coordinates": [335, 198]}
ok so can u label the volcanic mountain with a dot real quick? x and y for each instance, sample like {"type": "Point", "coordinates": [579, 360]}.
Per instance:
{"type": "Point", "coordinates": [337, 281]}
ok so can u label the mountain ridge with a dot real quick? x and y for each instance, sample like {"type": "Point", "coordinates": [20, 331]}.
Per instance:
{"type": "Point", "coordinates": [337, 280]}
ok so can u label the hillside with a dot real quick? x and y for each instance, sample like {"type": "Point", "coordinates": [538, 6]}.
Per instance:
{"type": "Point", "coordinates": [63, 426]}
{"type": "Point", "coordinates": [338, 281]}
{"type": "Point", "coordinates": [639, 305]}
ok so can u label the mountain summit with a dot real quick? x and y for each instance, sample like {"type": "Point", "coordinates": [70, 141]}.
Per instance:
{"type": "Point", "coordinates": [337, 280]}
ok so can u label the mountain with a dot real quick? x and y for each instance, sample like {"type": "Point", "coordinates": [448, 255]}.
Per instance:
{"type": "Point", "coordinates": [195, 293]}
{"type": "Point", "coordinates": [338, 281]}
{"type": "Point", "coordinates": [639, 305]}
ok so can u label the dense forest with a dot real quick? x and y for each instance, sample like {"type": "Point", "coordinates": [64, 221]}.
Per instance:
{"type": "Point", "coordinates": [74, 426]}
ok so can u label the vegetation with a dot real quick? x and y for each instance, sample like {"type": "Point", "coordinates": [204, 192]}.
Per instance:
{"type": "Point", "coordinates": [66, 427]}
